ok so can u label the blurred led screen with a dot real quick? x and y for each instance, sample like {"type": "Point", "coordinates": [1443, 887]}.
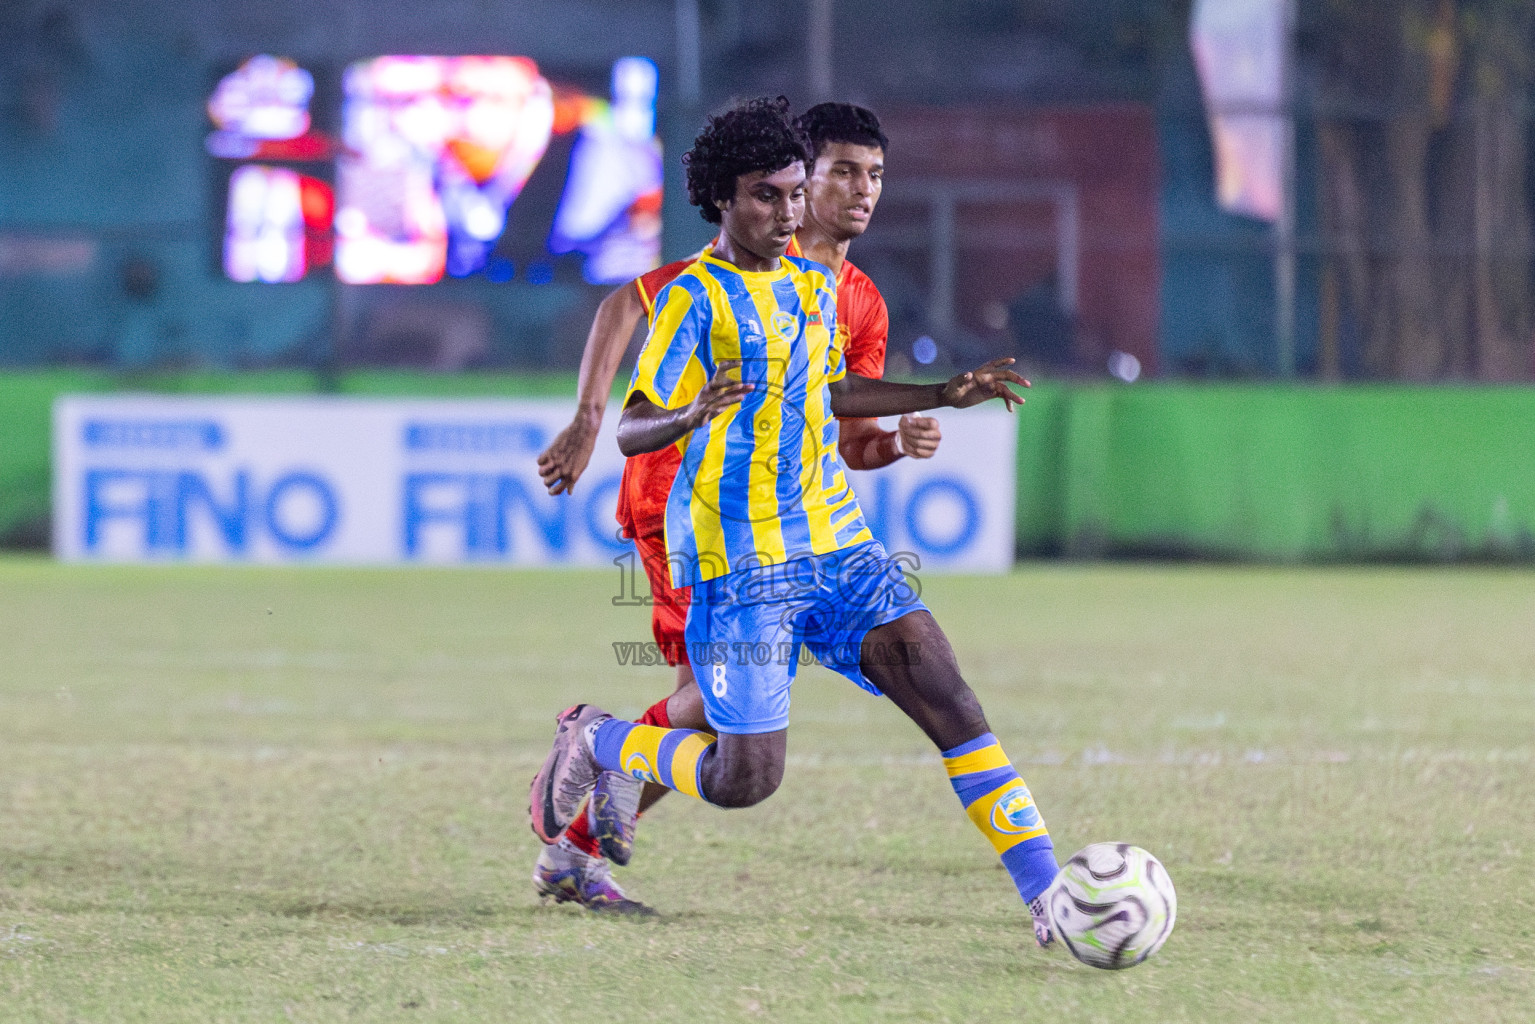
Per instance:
{"type": "Point", "coordinates": [443, 166]}
{"type": "Point", "coordinates": [278, 224]}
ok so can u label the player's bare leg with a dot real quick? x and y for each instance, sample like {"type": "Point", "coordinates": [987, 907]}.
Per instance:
{"type": "Point", "coordinates": [911, 660]}
{"type": "Point", "coordinates": [744, 770]}
{"type": "Point", "coordinates": [729, 770]}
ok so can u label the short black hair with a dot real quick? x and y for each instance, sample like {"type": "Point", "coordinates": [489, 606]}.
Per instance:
{"type": "Point", "coordinates": [757, 135]}
{"type": "Point", "coordinates": [840, 122]}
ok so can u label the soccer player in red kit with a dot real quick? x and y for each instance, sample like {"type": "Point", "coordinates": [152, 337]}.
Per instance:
{"type": "Point", "coordinates": [841, 192]}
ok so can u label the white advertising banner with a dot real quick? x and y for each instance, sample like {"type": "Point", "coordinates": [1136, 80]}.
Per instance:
{"type": "Point", "coordinates": [435, 482]}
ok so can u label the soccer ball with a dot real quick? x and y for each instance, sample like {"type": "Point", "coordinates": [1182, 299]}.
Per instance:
{"type": "Point", "coordinates": [1113, 905]}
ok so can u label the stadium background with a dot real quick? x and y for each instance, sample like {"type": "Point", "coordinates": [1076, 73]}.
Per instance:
{"type": "Point", "coordinates": [299, 792]}
{"type": "Point", "coordinates": [1278, 408]}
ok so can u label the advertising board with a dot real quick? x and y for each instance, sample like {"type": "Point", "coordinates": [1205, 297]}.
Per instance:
{"type": "Point", "coordinates": [433, 482]}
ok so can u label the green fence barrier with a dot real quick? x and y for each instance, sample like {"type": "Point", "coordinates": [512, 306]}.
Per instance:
{"type": "Point", "coordinates": [1221, 471]}
{"type": "Point", "coordinates": [1295, 474]}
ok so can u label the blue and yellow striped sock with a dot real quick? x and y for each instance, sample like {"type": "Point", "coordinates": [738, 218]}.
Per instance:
{"type": "Point", "coordinates": [1003, 809]}
{"type": "Point", "coordinates": [672, 757]}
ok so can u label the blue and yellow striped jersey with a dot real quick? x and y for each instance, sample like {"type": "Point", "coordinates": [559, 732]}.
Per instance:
{"type": "Point", "coordinates": [761, 483]}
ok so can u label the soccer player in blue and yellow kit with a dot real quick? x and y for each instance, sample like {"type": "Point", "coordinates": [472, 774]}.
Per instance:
{"type": "Point", "coordinates": [841, 192]}
{"type": "Point", "coordinates": [743, 372]}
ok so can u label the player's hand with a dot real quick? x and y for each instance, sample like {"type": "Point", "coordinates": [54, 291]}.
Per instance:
{"type": "Point", "coordinates": [719, 394]}
{"type": "Point", "coordinates": [563, 462]}
{"type": "Point", "coordinates": [988, 381]}
{"type": "Point", "coordinates": [919, 436]}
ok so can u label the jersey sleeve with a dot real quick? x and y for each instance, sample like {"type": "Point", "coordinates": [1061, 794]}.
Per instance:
{"type": "Point", "coordinates": [670, 371]}
{"type": "Point", "coordinates": [651, 284]}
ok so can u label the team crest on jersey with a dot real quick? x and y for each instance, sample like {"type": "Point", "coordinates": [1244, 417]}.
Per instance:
{"type": "Point", "coordinates": [1014, 812]}
{"type": "Point", "coordinates": [814, 318]}
{"type": "Point", "coordinates": [785, 325]}
{"type": "Point", "coordinates": [639, 767]}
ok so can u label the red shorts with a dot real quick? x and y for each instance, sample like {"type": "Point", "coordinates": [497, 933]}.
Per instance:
{"type": "Point", "coordinates": [669, 606]}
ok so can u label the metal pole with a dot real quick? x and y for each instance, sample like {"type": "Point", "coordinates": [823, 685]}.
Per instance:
{"type": "Point", "coordinates": [941, 267]}
{"type": "Point", "coordinates": [818, 42]}
{"type": "Point", "coordinates": [1068, 248]}
{"type": "Point", "coordinates": [1284, 228]}
{"type": "Point", "coordinates": [679, 118]}
{"type": "Point", "coordinates": [689, 72]}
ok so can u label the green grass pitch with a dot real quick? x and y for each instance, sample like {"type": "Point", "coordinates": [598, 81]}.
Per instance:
{"type": "Point", "coordinates": [273, 795]}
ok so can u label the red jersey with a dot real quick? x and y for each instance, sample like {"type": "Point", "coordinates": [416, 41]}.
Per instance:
{"type": "Point", "coordinates": [863, 325]}
{"type": "Point", "coordinates": [648, 478]}
{"type": "Point", "coordinates": [863, 322]}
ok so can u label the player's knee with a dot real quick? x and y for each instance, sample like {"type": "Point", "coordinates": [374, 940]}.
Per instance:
{"type": "Point", "coordinates": [685, 707]}
{"type": "Point", "coordinates": [742, 792]}
{"type": "Point", "coordinates": [742, 785]}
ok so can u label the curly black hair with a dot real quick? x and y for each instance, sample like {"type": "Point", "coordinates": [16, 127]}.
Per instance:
{"type": "Point", "coordinates": [840, 122]}
{"type": "Point", "coordinates": [757, 135]}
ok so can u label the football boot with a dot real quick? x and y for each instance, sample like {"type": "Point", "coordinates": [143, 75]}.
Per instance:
{"type": "Point", "coordinates": [567, 875]}
{"type": "Point", "coordinates": [568, 775]}
{"type": "Point", "coordinates": [612, 811]}
{"type": "Point", "coordinates": [1044, 928]}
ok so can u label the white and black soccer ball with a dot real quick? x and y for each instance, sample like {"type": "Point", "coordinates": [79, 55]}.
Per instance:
{"type": "Point", "coordinates": [1113, 905]}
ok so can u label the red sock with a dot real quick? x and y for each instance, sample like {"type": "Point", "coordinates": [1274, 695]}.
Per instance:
{"type": "Point", "coordinates": [656, 715]}
{"type": "Point", "coordinates": [580, 836]}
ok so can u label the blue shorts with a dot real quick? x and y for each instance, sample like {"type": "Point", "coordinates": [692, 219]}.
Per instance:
{"type": "Point", "coordinates": [745, 630]}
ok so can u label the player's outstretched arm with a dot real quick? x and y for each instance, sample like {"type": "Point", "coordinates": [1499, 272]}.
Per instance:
{"type": "Point", "coordinates": [855, 396]}
{"type": "Point", "coordinates": [646, 427]}
{"type": "Point", "coordinates": [563, 462]}
{"type": "Point", "coordinates": [863, 445]}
